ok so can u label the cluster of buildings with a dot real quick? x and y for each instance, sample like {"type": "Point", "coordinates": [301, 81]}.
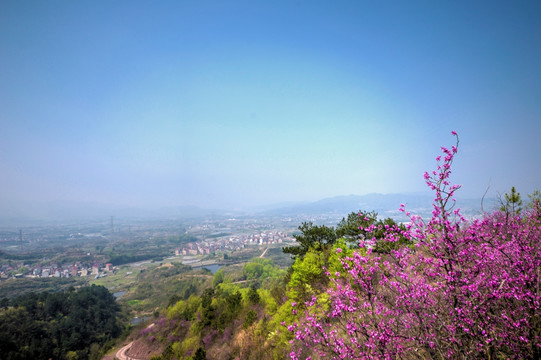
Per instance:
{"type": "Point", "coordinates": [55, 270]}
{"type": "Point", "coordinates": [233, 242]}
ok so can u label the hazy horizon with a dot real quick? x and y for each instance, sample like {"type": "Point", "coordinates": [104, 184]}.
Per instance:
{"type": "Point", "coordinates": [384, 204]}
{"type": "Point", "coordinates": [242, 104]}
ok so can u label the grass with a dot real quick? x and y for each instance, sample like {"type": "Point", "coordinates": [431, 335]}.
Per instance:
{"type": "Point", "coordinates": [123, 279]}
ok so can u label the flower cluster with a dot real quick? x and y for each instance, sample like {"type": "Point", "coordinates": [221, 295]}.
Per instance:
{"type": "Point", "coordinates": [465, 290]}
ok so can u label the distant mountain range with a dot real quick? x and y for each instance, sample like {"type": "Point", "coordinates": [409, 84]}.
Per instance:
{"type": "Point", "coordinates": [369, 202]}
{"type": "Point", "coordinates": [386, 205]}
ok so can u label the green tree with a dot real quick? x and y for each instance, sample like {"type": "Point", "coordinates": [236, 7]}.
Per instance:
{"type": "Point", "coordinates": [250, 318]}
{"type": "Point", "coordinates": [168, 353]}
{"type": "Point", "coordinates": [307, 276]}
{"type": "Point", "coordinates": [512, 203]}
{"type": "Point", "coordinates": [73, 324]}
{"type": "Point", "coordinates": [311, 237]}
{"type": "Point", "coordinates": [200, 354]}
{"type": "Point", "coordinates": [173, 300]}
{"type": "Point", "coordinates": [350, 228]}
{"type": "Point", "coordinates": [208, 311]}
{"type": "Point", "coordinates": [253, 296]}
{"type": "Point", "coordinates": [278, 292]}
{"type": "Point", "coordinates": [23, 270]}
{"type": "Point", "coordinates": [253, 270]}
{"type": "Point", "coordinates": [366, 225]}
{"type": "Point", "coordinates": [234, 302]}
{"type": "Point", "coordinates": [218, 278]}
{"type": "Point", "coordinates": [206, 298]}
{"type": "Point", "coordinates": [190, 290]}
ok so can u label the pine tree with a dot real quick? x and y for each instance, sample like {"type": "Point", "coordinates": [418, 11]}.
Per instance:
{"type": "Point", "coordinates": [512, 205]}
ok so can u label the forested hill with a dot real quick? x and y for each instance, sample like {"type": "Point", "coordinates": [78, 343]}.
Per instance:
{"type": "Point", "coordinates": [76, 324]}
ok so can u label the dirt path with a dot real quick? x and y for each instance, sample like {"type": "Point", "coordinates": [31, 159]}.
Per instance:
{"type": "Point", "coordinates": [121, 354]}
{"type": "Point", "coordinates": [264, 252]}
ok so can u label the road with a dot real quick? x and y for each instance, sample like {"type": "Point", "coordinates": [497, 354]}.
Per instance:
{"type": "Point", "coordinates": [264, 252]}
{"type": "Point", "coordinates": [121, 354]}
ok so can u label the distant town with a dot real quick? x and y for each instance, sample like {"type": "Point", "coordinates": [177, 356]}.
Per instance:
{"type": "Point", "coordinates": [205, 247]}
{"type": "Point", "coordinates": [98, 249]}
{"type": "Point", "coordinates": [233, 243]}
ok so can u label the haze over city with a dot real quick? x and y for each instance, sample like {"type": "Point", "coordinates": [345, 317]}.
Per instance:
{"type": "Point", "coordinates": [241, 103]}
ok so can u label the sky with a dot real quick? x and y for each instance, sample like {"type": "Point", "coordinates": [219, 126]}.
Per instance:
{"type": "Point", "coordinates": [232, 104]}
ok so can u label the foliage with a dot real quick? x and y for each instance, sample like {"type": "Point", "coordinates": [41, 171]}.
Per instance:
{"type": "Point", "coordinates": [250, 318]}
{"type": "Point", "coordinates": [466, 290]}
{"type": "Point", "coordinates": [512, 203]}
{"type": "Point", "coordinates": [231, 319]}
{"type": "Point", "coordinates": [363, 225]}
{"type": "Point", "coordinates": [200, 354]}
{"type": "Point", "coordinates": [262, 271]}
{"type": "Point", "coordinates": [218, 278]}
{"type": "Point", "coordinates": [59, 325]}
{"type": "Point", "coordinates": [312, 236]}
{"type": "Point", "coordinates": [339, 252]}
{"type": "Point", "coordinates": [356, 227]}
{"type": "Point", "coordinates": [229, 311]}
{"type": "Point", "coordinates": [535, 200]}
{"type": "Point", "coordinates": [253, 270]}
{"type": "Point", "coordinates": [307, 276]}
{"type": "Point", "coordinates": [184, 309]}
{"type": "Point", "coordinates": [253, 296]}
{"type": "Point", "coordinates": [164, 286]}
{"type": "Point", "coordinates": [17, 287]}
{"type": "Point", "coordinates": [349, 228]}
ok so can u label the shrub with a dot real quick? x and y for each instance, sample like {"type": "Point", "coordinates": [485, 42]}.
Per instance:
{"type": "Point", "coordinates": [465, 290]}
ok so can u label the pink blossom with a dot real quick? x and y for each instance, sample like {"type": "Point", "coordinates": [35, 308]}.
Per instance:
{"type": "Point", "coordinates": [468, 289]}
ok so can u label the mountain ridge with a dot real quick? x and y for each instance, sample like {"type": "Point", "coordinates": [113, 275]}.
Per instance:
{"type": "Point", "coordinates": [386, 205]}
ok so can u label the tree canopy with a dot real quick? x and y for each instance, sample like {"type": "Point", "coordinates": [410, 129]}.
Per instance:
{"type": "Point", "coordinates": [311, 236]}
{"type": "Point", "coordinates": [51, 325]}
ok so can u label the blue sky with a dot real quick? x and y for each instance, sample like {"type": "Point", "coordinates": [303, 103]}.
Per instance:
{"type": "Point", "coordinates": [240, 103]}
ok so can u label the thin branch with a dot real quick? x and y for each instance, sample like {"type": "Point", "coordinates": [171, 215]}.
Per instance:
{"type": "Point", "coordinates": [483, 198]}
